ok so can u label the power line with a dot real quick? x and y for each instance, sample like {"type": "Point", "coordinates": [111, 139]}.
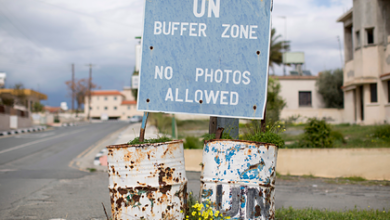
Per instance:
{"type": "Point", "coordinates": [10, 21]}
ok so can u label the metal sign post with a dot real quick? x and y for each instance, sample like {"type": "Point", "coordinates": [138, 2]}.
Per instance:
{"type": "Point", "coordinates": [210, 57]}
{"type": "Point", "coordinates": [205, 57]}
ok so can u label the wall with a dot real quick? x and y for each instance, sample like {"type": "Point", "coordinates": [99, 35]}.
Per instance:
{"type": "Point", "coordinates": [290, 91]}
{"type": "Point", "coordinates": [23, 122]}
{"type": "Point", "coordinates": [367, 163]}
{"type": "Point", "coordinates": [349, 106]}
{"type": "Point", "coordinates": [4, 122]}
{"type": "Point", "coordinates": [336, 116]}
{"type": "Point", "coordinates": [371, 164]}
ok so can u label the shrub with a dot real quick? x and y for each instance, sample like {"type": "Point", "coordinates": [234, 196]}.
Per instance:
{"type": "Point", "coordinates": [192, 143]}
{"type": "Point", "coordinates": [317, 135]}
{"type": "Point", "coordinates": [337, 136]}
{"type": "Point", "coordinates": [382, 132]}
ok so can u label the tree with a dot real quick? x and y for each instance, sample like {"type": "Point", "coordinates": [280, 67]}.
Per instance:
{"type": "Point", "coordinates": [7, 99]}
{"type": "Point", "coordinates": [79, 89]}
{"type": "Point", "coordinates": [276, 49]}
{"type": "Point", "coordinates": [274, 106]}
{"type": "Point", "coordinates": [329, 85]}
{"type": "Point", "coordinates": [275, 102]}
{"type": "Point", "coordinates": [37, 107]}
{"type": "Point", "coordinates": [19, 94]}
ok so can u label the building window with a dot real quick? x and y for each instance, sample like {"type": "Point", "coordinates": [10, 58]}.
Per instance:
{"type": "Point", "coordinates": [114, 97]}
{"type": "Point", "coordinates": [90, 108]}
{"type": "Point", "coordinates": [105, 98]}
{"type": "Point", "coordinates": [304, 99]}
{"type": "Point", "coordinates": [370, 35]}
{"type": "Point", "coordinates": [97, 108]}
{"type": "Point", "coordinates": [388, 91]}
{"type": "Point", "coordinates": [128, 107]}
{"type": "Point", "coordinates": [374, 93]}
{"type": "Point", "coordinates": [97, 97]}
{"type": "Point", "coordinates": [114, 107]}
{"type": "Point", "coordinates": [357, 39]}
{"type": "Point", "coordinates": [105, 108]}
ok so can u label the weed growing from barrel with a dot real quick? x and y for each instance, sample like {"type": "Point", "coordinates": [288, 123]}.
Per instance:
{"type": "Point", "coordinates": [271, 135]}
{"type": "Point", "coordinates": [136, 141]}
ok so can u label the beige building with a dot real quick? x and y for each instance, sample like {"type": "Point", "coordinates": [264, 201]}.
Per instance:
{"type": "Point", "coordinates": [112, 104]}
{"type": "Point", "coordinates": [302, 99]}
{"type": "Point", "coordinates": [367, 62]}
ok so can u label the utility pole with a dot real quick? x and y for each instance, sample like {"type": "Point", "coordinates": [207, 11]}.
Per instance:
{"type": "Point", "coordinates": [89, 90]}
{"type": "Point", "coordinates": [73, 85]}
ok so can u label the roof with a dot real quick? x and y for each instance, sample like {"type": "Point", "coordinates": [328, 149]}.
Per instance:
{"type": "Point", "coordinates": [106, 92]}
{"type": "Point", "coordinates": [27, 92]}
{"type": "Point", "coordinates": [52, 109]}
{"type": "Point", "coordinates": [128, 102]}
{"type": "Point", "coordinates": [345, 16]}
{"type": "Point", "coordinates": [295, 77]}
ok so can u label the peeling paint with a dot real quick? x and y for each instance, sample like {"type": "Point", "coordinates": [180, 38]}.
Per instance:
{"type": "Point", "coordinates": [238, 177]}
{"type": "Point", "coordinates": [147, 181]}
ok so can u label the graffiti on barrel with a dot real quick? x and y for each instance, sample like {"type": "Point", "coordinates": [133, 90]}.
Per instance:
{"type": "Point", "coordinates": [147, 181]}
{"type": "Point", "coordinates": [238, 178]}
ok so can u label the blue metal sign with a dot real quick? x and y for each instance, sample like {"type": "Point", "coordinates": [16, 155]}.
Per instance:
{"type": "Point", "coordinates": [205, 57]}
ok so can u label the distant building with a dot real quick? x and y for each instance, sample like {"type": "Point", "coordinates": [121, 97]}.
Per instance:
{"type": "Point", "coordinates": [30, 98]}
{"type": "Point", "coordinates": [367, 62]}
{"type": "Point", "coordinates": [18, 115]}
{"type": "Point", "coordinates": [112, 104]}
{"type": "Point", "coordinates": [302, 99]}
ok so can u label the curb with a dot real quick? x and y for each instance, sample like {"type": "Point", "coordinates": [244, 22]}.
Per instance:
{"type": "Point", "coordinates": [24, 130]}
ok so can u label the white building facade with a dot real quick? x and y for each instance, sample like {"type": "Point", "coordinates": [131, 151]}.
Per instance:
{"type": "Point", "coordinates": [367, 62]}
{"type": "Point", "coordinates": [112, 104]}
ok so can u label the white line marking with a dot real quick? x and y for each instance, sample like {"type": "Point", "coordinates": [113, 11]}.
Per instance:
{"type": "Point", "coordinates": [37, 141]}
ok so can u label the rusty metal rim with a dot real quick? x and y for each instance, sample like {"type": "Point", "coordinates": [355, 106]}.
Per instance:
{"type": "Point", "coordinates": [238, 183]}
{"type": "Point", "coordinates": [145, 145]}
{"type": "Point", "coordinates": [241, 141]}
{"type": "Point", "coordinates": [149, 185]}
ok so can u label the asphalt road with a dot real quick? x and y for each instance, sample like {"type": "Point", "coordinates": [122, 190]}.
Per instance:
{"type": "Point", "coordinates": [33, 165]}
{"type": "Point", "coordinates": [37, 181]}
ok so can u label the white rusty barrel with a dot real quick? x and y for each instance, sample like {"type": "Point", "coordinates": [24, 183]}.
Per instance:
{"type": "Point", "coordinates": [238, 177]}
{"type": "Point", "coordinates": [147, 181]}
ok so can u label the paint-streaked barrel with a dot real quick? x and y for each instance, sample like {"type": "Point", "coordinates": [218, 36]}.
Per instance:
{"type": "Point", "coordinates": [147, 181]}
{"type": "Point", "coordinates": [238, 178]}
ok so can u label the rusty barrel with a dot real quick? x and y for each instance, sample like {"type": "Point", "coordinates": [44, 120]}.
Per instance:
{"type": "Point", "coordinates": [238, 178]}
{"type": "Point", "coordinates": [147, 181]}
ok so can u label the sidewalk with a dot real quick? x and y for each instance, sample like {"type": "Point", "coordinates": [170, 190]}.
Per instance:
{"type": "Point", "coordinates": [95, 157]}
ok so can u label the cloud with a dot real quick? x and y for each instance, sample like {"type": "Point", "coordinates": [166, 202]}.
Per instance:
{"type": "Point", "coordinates": [40, 39]}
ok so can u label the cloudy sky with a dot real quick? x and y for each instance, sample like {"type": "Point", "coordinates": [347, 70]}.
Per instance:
{"type": "Point", "coordinates": [40, 39]}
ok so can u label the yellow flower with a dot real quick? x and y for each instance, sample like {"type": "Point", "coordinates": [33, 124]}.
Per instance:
{"type": "Point", "coordinates": [216, 213]}
{"type": "Point", "coordinates": [181, 211]}
{"type": "Point", "coordinates": [227, 217]}
{"type": "Point", "coordinates": [193, 213]}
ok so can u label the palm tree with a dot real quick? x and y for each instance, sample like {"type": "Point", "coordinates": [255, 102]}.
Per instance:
{"type": "Point", "coordinates": [276, 49]}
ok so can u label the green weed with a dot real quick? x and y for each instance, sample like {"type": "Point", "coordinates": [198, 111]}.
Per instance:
{"type": "Point", "coordinates": [136, 141]}
{"type": "Point", "coordinates": [310, 214]}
